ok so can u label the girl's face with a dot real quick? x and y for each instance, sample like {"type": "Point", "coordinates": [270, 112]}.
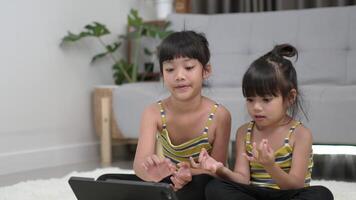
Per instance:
{"type": "Point", "coordinates": [267, 110]}
{"type": "Point", "coordinates": [184, 77]}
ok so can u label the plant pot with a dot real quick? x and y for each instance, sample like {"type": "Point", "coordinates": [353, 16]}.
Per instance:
{"type": "Point", "coordinates": [163, 8]}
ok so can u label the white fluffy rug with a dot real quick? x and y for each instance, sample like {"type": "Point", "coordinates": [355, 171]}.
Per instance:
{"type": "Point", "coordinates": [59, 189]}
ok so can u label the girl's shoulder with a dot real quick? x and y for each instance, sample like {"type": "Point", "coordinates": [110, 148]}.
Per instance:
{"type": "Point", "coordinates": [152, 110]}
{"type": "Point", "coordinates": [301, 132]}
{"type": "Point", "coordinates": [221, 113]}
{"type": "Point", "coordinates": [242, 130]}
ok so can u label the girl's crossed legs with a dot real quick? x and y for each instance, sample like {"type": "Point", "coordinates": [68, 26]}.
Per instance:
{"type": "Point", "coordinates": [218, 189]}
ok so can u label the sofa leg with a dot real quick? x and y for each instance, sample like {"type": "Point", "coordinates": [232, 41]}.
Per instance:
{"type": "Point", "coordinates": [105, 141]}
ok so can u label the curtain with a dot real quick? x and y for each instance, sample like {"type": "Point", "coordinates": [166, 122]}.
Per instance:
{"type": "Point", "coordinates": [233, 6]}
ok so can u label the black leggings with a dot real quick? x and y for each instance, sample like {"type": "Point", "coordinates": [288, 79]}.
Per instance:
{"type": "Point", "coordinates": [218, 189]}
{"type": "Point", "coordinates": [194, 190]}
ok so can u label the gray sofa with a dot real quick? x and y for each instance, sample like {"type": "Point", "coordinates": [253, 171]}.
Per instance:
{"type": "Point", "coordinates": [326, 67]}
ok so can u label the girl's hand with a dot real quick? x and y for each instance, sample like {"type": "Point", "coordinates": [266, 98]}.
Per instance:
{"type": "Point", "coordinates": [158, 168]}
{"type": "Point", "coordinates": [262, 154]}
{"type": "Point", "coordinates": [206, 162]}
{"type": "Point", "coordinates": [181, 177]}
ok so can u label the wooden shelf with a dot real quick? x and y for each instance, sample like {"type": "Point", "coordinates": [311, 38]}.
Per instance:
{"type": "Point", "coordinates": [105, 124]}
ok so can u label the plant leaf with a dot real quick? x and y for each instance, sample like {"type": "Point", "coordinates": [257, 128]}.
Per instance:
{"type": "Point", "coordinates": [164, 34]}
{"type": "Point", "coordinates": [97, 29]}
{"type": "Point", "coordinates": [71, 37]}
{"type": "Point", "coordinates": [133, 19]}
{"type": "Point", "coordinates": [100, 55]}
{"type": "Point", "coordinates": [112, 48]}
{"type": "Point", "coordinates": [147, 51]}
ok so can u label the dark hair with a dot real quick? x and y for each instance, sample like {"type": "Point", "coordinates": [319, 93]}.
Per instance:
{"type": "Point", "coordinates": [184, 44]}
{"type": "Point", "coordinates": [273, 74]}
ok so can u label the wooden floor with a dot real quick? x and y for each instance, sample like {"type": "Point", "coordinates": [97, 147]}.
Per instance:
{"type": "Point", "coordinates": [57, 172]}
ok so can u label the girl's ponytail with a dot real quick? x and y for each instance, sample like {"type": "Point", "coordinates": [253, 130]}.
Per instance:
{"type": "Point", "coordinates": [284, 50]}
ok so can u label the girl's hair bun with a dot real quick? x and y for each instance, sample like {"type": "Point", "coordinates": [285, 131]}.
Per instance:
{"type": "Point", "coordinates": [284, 50]}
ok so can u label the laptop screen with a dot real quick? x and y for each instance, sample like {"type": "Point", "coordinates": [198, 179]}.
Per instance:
{"type": "Point", "coordinates": [90, 189]}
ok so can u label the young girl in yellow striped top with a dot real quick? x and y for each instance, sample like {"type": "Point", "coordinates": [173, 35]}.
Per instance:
{"type": "Point", "coordinates": [274, 151]}
{"type": "Point", "coordinates": [183, 123]}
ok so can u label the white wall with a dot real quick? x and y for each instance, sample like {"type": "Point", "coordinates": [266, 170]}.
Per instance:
{"type": "Point", "coordinates": [45, 110]}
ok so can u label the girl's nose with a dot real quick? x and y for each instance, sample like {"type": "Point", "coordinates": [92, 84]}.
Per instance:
{"type": "Point", "coordinates": [180, 75]}
{"type": "Point", "coordinates": [257, 106]}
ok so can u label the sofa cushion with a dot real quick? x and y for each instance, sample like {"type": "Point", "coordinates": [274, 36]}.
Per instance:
{"type": "Point", "coordinates": [332, 112]}
{"type": "Point", "coordinates": [226, 71]}
{"type": "Point", "coordinates": [351, 54]}
{"type": "Point", "coordinates": [351, 66]}
{"type": "Point", "coordinates": [324, 66]}
{"type": "Point", "coordinates": [271, 28]}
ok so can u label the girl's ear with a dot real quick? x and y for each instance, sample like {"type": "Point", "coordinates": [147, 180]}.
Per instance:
{"type": "Point", "coordinates": [292, 96]}
{"type": "Point", "coordinates": [207, 71]}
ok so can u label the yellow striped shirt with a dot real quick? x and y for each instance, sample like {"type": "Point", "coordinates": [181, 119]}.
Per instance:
{"type": "Point", "coordinates": [283, 158]}
{"type": "Point", "coordinates": [191, 148]}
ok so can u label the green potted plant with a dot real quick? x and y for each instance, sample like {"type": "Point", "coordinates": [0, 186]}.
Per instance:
{"type": "Point", "coordinates": [123, 70]}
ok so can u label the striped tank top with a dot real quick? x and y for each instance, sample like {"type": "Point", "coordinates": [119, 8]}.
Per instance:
{"type": "Point", "coordinates": [191, 148]}
{"type": "Point", "coordinates": [283, 158]}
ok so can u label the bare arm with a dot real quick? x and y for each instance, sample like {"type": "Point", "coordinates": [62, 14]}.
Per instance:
{"type": "Point", "coordinates": [147, 165]}
{"type": "Point", "coordinates": [222, 135]}
{"type": "Point", "coordinates": [241, 171]}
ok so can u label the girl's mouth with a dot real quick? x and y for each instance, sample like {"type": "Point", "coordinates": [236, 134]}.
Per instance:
{"type": "Point", "coordinates": [259, 117]}
{"type": "Point", "coordinates": [182, 87]}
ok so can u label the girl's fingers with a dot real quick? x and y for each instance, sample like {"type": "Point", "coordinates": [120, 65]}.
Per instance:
{"type": "Point", "coordinates": [265, 148]}
{"type": "Point", "coordinates": [202, 154]}
{"type": "Point", "coordinates": [149, 161]}
{"type": "Point", "coordinates": [193, 163]}
{"type": "Point", "coordinates": [176, 183]}
{"type": "Point", "coordinates": [144, 166]}
{"type": "Point", "coordinates": [255, 153]}
{"type": "Point", "coordinates": [261, 146]}
{"type": "Point", "coordinates": [167, 160]}
{"type": "Point", "coordinates": [175, 189]}
{"type": "Point", "coordinates": [170, 164]}
{"type": "Point", "coordinates": [156, 159]}
{"type": "Point", "coordinates": [268, 148]}
{"type": "Point", "coordinates": [183, 165]}
{"type": "Point", "coordinates": [172, 168]}
{"type": "Point", "coordinates": [249, 158]}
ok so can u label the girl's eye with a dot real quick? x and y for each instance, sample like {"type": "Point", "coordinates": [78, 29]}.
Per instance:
{"type": "Point", "coordinates": [267, 100]}
{"type": "Point", "coordinates": [249, 100]}
{"type": "Point", "coordinates": [189, 68]}
{"type": "Point", "coordinates": [169, 69]}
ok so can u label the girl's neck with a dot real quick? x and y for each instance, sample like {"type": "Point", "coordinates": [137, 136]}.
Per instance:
{"type": "Point", "coordinates": [280, 123]}
{"type": "Point", "coordinates": [185, 106]}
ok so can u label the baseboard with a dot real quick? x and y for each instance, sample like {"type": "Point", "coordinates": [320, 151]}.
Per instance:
{"type": "Point", "coordinates": [48, 157]}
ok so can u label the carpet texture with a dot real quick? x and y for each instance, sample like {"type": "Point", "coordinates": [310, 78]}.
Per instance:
{"type": "Point", "coordinates": [59, 189]}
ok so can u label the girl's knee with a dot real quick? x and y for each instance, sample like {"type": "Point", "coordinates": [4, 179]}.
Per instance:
{"type": "Point", "coordinates": [214, 189]}
{"type": "Point", "coordinates": [318, 192]}
{"type": "Point", "coordinates": [324, 192]}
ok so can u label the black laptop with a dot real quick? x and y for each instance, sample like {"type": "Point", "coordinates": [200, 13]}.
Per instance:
{"type": "Point", "coordinates": [114, 189]}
